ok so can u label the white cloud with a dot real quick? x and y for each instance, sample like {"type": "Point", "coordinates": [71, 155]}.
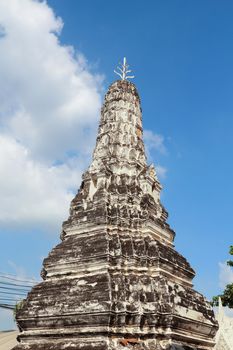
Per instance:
{"type": "Point", "coordinates": [161, 171]}
{"type": "Point", "coordinates": [154, 144]}
{"type": "Point", "coordinates": [48, 96]}
{"type": "Point", "coordinates": [225, 275]}
{"type": "Point", "coordinates": [49, 107]}
{"type": "Point", "coordinates": [19, 273]}
{"type": "Point", "coordinates": [33, 193]}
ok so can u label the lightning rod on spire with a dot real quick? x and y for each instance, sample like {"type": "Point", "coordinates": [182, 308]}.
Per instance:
{"type": "Point", "coordinates": [123, 70]}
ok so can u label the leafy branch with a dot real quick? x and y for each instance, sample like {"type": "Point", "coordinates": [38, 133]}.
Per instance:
{"type": "Point", "coordinates": [227, 295]}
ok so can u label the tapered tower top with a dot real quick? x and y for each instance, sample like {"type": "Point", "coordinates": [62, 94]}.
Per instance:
{"type": "Point", "coordinates": [120, 189]}
{"type": "Point", "coordinates": [119, 143]}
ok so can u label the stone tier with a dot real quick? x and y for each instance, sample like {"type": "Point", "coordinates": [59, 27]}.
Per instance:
{"type": "Point", "coordinates": [115, 286]}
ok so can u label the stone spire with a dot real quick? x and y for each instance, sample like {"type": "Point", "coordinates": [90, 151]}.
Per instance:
{"type": "Point", "coordinates": [119, 141]}
{"type": "Point", "coordinates": [119, 187]}
{"type": "Point", "coordinates": [115, 281]}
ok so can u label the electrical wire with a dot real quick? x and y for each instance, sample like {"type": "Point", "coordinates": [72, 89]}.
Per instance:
{"type": "Point", "coordinates": [6, 306]}
{"type": "Point", "coordinates": [9, 288]}
{"type": "Point", "coordinates": [13, 289]}
{"type": "Point", "coordinates": [15, 284]}
{"type": "Point", "coordinates": [15, 278]}
{"type": "Point", "coordinates": [13, 293]}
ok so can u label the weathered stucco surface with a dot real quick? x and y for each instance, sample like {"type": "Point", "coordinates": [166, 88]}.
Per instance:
{"type": "Point", "coordinates": [115, 281]}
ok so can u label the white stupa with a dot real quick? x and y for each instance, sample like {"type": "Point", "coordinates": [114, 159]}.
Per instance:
{"type": "Point", "coordinates": [224, 337]}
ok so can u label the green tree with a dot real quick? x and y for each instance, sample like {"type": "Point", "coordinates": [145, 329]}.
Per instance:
{"type": "Point", "coordinates": [227, 295]}
{"type": "Point", "coordinates": [230, 262]}
{"type": "Point", "coordinates": [18, 306]}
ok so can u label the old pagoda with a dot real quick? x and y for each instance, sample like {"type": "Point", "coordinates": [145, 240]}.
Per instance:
{"type": "Point", "coordinates": [115, 281]}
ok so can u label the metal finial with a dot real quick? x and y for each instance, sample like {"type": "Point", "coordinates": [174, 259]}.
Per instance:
{"type": "Point", "coordinates": [123, 70]}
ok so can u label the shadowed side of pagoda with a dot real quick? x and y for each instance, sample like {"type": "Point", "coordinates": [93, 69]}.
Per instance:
{"type": "Point", "coordinates": [115, 281]}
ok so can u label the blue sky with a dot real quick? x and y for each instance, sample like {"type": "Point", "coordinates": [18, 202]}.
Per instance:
{"type": "Point", "coordinates": [181, 53]}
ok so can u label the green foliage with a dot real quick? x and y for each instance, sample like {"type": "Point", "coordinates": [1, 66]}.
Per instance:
{"type": "Point", "coordinates": [227, 295]}
{"type": "Point", "coordinates": [230, 262]}
{"type": "Point", "coordinates": [18, 306]}
{"type": "Point", "coordinates": [214, 301]}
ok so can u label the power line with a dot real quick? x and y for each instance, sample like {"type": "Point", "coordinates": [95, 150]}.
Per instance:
{"type": "Point", "coordinates": [6, 306]}
{"type": "Point", "coordinates": [14, 284]}
{"type": "Point", "coordinates": [15, 293]}
{"type": "Point", "coordinates": [8, 297]}
{"type": "Point", "coordinates": [13, 289]}
{"type": "Point", "coordinates": [15, 278]}
{"type": "Point", "coordinates": [10, 288]}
